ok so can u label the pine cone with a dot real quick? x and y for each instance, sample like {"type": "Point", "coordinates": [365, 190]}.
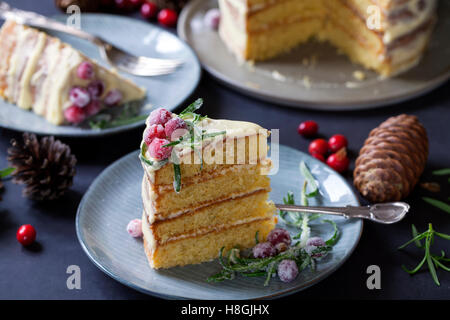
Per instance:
{"type": "Point", "coordinates": [392, 159]}
{"type": "Point", "coordinates": [85, 5]}
{"type": "Point", "coordinates": [46, 167]}
{"type": "Point", "coordinates": [176, 5]}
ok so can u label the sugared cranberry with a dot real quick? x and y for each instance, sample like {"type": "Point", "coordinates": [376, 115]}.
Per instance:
{"type": "Point", "coordinates": [264, 250]}
{"type": "Point", "coordinates": [159, 116]}
{"type": "Point", "coordinates": [212, 18]}
{"type": "Point", "coordinates": [319, 146]}
{"type": "Point", "coordinates": [149, 10]}
{"type": "Point", "coordinates": [152, 132]}
{"type": "Point", "coordinates": [279, 235]}
{"type": "Point", "coordinates": [318, 156]}
{"type": "Point", "coordinates": [312, 244]}
{"type": "Point", "coordinates": [168, 17]}
{"type": "Point", "coordinates": [134, 228]}
{"type": "Point", "coordinates": [75, 114]}
{"type": "Point", "coordinates": [79, 96]}
{"type": "Point", "coordinates": [337, 142]}
{"type": "Point", "coordinates": [339, 161]}
{"type": "Point", "coordinates": [308, 128]}
{"type": "Point", "coordinates": [26, 234]}
{"type": "Point", "coordinates": [157, 150]}
{"type": "Point", "coordinates": [175, 128]}
{"type": "Point", "coordinates": [95, 89]}
{"type": "Point", "coordinates": [85, 70]}
{"type": "Point", "coordinates": [93, 108]}
{"type": "Point", "coordinates": [281, 247]}
{"type": "Point", "coordinates": [113, 97]}
{"type": "Point", "coordinates": [287, 270]}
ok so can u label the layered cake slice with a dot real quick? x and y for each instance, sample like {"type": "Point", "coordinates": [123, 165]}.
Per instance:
{"type": "Point", "coordinates": [388, 36]}
{"type": "Point", "coordinates": [205, 187]}
{"type": "Point", "coordinates": [41, 73]}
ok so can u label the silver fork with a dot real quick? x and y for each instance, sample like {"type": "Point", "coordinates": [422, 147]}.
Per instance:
{"type": "Point", "coordinates": [118, 58]}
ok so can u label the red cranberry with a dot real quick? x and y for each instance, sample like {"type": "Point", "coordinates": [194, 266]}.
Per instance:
{"type": "Point", "coordinates": [312, 244]}
{"type": "Point", "coordinates": [319, 146]}
{"type": "Point", "coordinates": [113, 97]}
{"type": "Point", "coordinates": [157, 150]}
{"type": "Point", "coordinates": [337, 142]}
{"type": "Point", "coordinates": [75, 114]}
{"type": "Point", "coordinates": [149, 10]}
{"type": "Point", "coordinates": [308, 128]}
{"type": "Point", "coordinates": [134, 228]}
{"type": "Point", "coordinates": [85, 70]}
{"type": "Point", "coordinates": [279, 235]}
{"type": "Point", "coordinates": [96, 88]}
{"type": "Point", "coordinates": [168, 17]}
{"type": "Point", "coordinates": [264, 250]}
{"type": "Point", "coordinates": [319, 157]}
{"type": "Point", "coordinates": [175, 128]}
{"type": "Point", "coordinates": [123, 5]}
{"type": "Point", "coordinates": [93, 108]}
{"type": "Point", "coordinates": [134, 3]}
{"type": "Point", "coordinates": [287, 270]}
{"type": "Point", "coordinates": [79, 96]}
{"type": "Point", "coordinates": [152, 132]}
{"type": "Point", "coordinates": [26, 234]}
{"type": "Point", "coordinates": [212, 18]}
{"type": "Point", "coordinates": [339, 161]}
{"type": "Point", "coordinates": [159, 116]}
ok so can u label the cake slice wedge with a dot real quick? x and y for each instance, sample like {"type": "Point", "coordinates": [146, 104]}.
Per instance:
{"type": "Point", "coordinates": [205, 187]}
{"type": "Point", "coordinates": [43, 74]}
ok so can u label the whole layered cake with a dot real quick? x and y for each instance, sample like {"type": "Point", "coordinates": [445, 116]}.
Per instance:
{"type": "Point", "coordinates": [205, 187]}
{"type": "Point", "coordinates": [40, 73]}
{"type": "Point", "coordinates": [388, 36]}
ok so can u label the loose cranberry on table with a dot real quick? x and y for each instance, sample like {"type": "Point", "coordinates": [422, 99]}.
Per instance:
{"type": "Point", "coordinates": [264, 250]}
{"type": "Point", "coordinates": [96, 88]}
{"type": "Point", "coordinates": [152, 132]}
{"type": "Point", "coordinates": [79, 96]}
{"type": "Point", "coordinates": [287, 270]}
{"type": "Point", "coordinates": [85, 70]}
{"type": "Point", "coordinates": [318, 146]}
{"type": "Point", "coordinates": [339, 161]}
{"type": "Point", "coordinates": [159, 116]}
{"type": "Point", "coordinates": [113, 98]}
{"type": "Point", "coordinates": [157, 150]}
{"type": "Point", "coordinates": [279, 235]}
{"type": "Point", "coordinates": [175, 128]}
{"type": "Point", "coordinates": [93, 108]}
{"type": "Point", "coordinates": [308, 128]}
{"type": "Point", "coordinates": [168, 17]}
{"type": "Point", "coordinates": [149, 10]}
{"type": "Point", "coordinates": [75, 114]}
{"type": "Point", "coordinates": [26, 234]}
{"type": "Point", "coordinates": [212, 18]}
{"type": "Point", "coordinates": [337, 142]}
{"type": "Point", "coordinates": [134, 228]}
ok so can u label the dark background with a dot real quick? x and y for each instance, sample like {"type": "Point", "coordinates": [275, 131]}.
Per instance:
{"type": "Point", "coordinates": [40, 272]}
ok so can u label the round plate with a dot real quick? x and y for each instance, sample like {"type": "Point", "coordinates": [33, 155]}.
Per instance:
{"type": "Point", "coordinates": [167, 91]}
{"type": "Point", "coordinates": [327, 83]}
{"type": "Point", "coordinates": [115, 198]}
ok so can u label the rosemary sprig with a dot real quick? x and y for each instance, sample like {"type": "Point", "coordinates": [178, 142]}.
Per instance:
{"type": "Point", "coordinates": [6, 172]}
{"type": "Point", "coordinates": [437, 203]}
{"type": "Point", "coordinates": [433, 261]}
{"type": "Point", "coordinates": [442, 172]}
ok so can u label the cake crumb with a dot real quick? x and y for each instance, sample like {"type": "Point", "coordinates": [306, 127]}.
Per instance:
{"type": "Point", "coordinates": [306, 82]}
{"type": "Point", "coordinates": [278, 76]}
{"type": "Point", "coordinates": [359, 75]}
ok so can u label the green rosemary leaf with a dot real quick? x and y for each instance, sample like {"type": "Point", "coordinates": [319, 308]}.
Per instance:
{"type": "Point", "coordinates": [176, 177]}
{"type": "Point", "coordinates": [310, 179]}
{"type": "Point", "coordinates": [213, 134]}
{"type": "Point", "coordinates": [142, 155]}
{"type": "Point", "coordinates": [194, 106]}
{"type": "Point", "coordinates": [415, 234]}
{"type": "Point", "coordinates": [335, 237]}
{"type": "Point", "coordinates": [173, 143]}
{"type": "Point", "coordinates": [254, 274]}
{"type": "Point", "coordinates": [429, 261]}
{"type": "Point", "coordinates": [6, 172]}
{"type": "Point", "coordinates": [270, 271]}
{"type": "Point", "coordinates": [417, 238]}
{"type": "Point", "coordinates": [437, 262]}
{"type": "Point", "coordinates": [441, 172]}
{"type": "Point", "coordinates": [417, 268]}
{"type": "Point", "coordinates": [438, 204]}
{"type": "Point", "coordinates": [442, 235]}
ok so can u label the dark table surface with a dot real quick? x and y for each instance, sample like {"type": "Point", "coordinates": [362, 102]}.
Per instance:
{"type": "Point", "coordinates": [40, 272]}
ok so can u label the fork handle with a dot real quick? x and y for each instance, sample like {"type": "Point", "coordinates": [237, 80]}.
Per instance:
{"type": "Point", "coordinates": [40, 21]}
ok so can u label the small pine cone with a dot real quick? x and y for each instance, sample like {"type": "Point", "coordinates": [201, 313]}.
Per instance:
{"type": "Point", "coordinates": [176, 5]}
{"type": "Point", "coordinates": [46, 167]}
{"type": "Point", "coordinates": [84, 5]}
{"type": "Point", "coordinates": [392, 159]}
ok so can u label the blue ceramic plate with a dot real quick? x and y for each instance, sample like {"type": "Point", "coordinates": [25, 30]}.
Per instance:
{"type": "Point", "coordinates": [138, 37]}
{"type": "Point", "coordinates": [115, 198]}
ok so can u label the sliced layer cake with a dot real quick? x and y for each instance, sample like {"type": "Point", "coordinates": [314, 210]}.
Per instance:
{"type": "Point", "coordinates": [205, 187]}
{"type": "Point", "coordinates": [388, 36]}
{"type": "Point", "coordinates": [41, 73]}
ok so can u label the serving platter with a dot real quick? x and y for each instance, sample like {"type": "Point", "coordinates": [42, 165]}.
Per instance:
{"type": "Point", "coordinates": [137, 37]}
{"type": "Point", "coordinates": [114, 198]}
{"type": "Point", "coordinates": [314, 75]}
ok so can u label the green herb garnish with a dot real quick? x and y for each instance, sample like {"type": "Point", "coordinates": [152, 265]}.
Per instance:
{"type": "Point", "coordinates": [438, 204]}
{"type": "Point", "coordinates": [433, 261]}
{"type": "Point", "coordinates": [177, 177]}
{"type": "Point", "coordinates": [6, 172]}
{"type": "Point", "coordinates": [442, 172]}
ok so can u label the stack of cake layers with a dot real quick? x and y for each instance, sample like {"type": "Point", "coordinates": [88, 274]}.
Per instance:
{"type": "Point", "coordinates": [223, 200]}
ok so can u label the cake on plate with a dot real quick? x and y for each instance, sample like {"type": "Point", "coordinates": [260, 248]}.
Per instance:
{"type": "Point", "coordinates": [40, 73]}
{"type": "Point", "coordinates": [205, 187]}
{"type": "Point", "coordinates": [388, 36]}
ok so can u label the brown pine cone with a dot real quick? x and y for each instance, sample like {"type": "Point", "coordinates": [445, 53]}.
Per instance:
{"type": "Point", "coordinates": [84, 5]}
{"type": "Point", "coordinates": [46, 167]}
{"type": "Point", "coordinates": [392, 159]}
{"type": "Point", "coordinates": [176, 5]}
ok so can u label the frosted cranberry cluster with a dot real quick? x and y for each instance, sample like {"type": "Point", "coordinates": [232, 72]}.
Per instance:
{"type": "Point", "coordinates": [162, 128]}
{"type": "Point", "coordinates": [86, 101]}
